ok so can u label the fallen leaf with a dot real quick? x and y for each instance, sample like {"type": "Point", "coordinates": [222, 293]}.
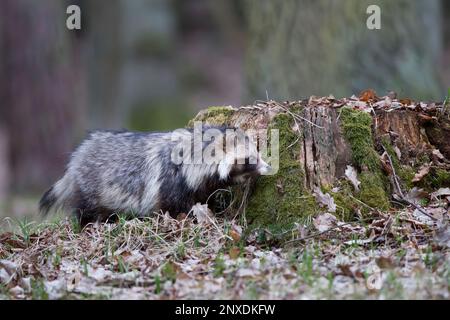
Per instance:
{"type": "Point", "coordinates": [236, 236]}
{"type": "Point", "coordinates": [234, 253]}
{"type": "Point", "coordinates": [405, 101]}
{"type": "Point", "coordinates": [385, 262]}
{"type": "Point", "coordinates": [374, 281]}
{"type": "Point", "coordinates": [325, 199]}
{"type": "Point", "coordinates": [324, 222]}
{"type": "Point", "coordinates": [236, 232]}
{"type": "Point", "coordinates": [424, 170]}
{"type": "Point", "coordinates": [5, 277]}
{"type": "Point", "coordinates": [443, 235]}
{"type": "Point", "coordinates": [438, 154]}
{"type": "Point", "coordinates": [202, 213]}
{"type": "Point", "coordinates": [245, 272]}
{"type": "Point", "coordinates": [422, 217]}
{"type": "Point", "coordinates": [438, 213]}
{"type": "Point", "coordinates": [17, 291]}
{"type": "Point", "coordinates": [345, 269]}
{"type": "Point", "coordinates": [415, 195]}
{"type": "Point", "coordinates": [352, 176]}
{"type": "Point", "coordinates": [441, 192]}
{"type": "Point", "coordinates": [55, 289]}
{"type": "Point", "coordinates": [367, 95]}
{"type": "Point", "coordinates": [398, 153]}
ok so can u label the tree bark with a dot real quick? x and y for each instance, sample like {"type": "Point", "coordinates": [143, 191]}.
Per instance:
{"type": "Point", "coordinates": [39, 90]}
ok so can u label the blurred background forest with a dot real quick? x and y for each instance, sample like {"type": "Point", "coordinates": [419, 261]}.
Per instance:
{"type": "Point", "coordinates": [151, 64]}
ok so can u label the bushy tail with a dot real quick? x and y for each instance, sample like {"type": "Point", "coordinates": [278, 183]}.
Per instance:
{"type": "Point", "coordinates": [47, 201]}
{"type": "Point", "coordinates": [58, 195]}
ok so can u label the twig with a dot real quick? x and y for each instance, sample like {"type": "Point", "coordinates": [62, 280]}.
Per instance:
{"type": "Point", "coordinates": [296, 116]}
{"type": "Point", "coordinates": [323, 232]}
{"type": "Point", "coordinates": [364, 204]}
{"type": "Point", "coordinates": [399, 189]}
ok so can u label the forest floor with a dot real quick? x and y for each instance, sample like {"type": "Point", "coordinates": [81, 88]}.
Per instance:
{"type": "Point", "coordinates": [401, 254]}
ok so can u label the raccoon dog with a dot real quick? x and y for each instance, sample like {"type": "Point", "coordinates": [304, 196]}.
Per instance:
{"type": "Point", "coordinates": [142, 173]}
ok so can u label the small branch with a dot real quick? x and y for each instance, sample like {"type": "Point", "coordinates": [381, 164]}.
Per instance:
{"type": "Point", "coordinates": [399, 189]}
{"type": "Point", "coordinates": [317, 234]}
{"type": "Point", "coordinates": [296, 116]}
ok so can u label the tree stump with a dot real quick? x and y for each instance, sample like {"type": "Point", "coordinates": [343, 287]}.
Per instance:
{"type": "Point", "coordinates": [385, 141]}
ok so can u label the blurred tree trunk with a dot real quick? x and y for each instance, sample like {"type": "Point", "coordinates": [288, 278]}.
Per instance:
{"type": "Point", "coordinates": [104, 54]}
{"type": "Point", "coordinates": [39, 90]}
{"type": "Point", "coordinates": [321, 47]}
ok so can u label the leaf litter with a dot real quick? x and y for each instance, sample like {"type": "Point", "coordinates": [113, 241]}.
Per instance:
{"type": "Point", "coordinates": [396, 254]}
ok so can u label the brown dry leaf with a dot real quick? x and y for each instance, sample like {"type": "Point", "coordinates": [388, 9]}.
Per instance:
{"type": "Point", "coordinates": [12, 240]}
{"type": "Point", "coordinates": [405, 101]}
{"type": "Point", "coordinates": [236, 232]}
{"type": "Point", "coordinates": [423, 118]}
{"type": "Point", "coordinates": [235, 235]}
{"type": "Point", "coordinates": [367, 95]}
{"type": "Point", "coordinates": [234, 253]}
{"type": "Point", "coordinates": [181, 216]}
{"type": "Point", "coordinates": [345, 269]}
{"type": "Point", "coordinates": [324, 222]}
{"type": "Point", "coordinates": [385, 262]}
{"type": "Point", "coordinates": [424, 170]}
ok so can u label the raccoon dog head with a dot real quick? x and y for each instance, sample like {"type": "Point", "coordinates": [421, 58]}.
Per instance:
{"type": "Point", "coordinates": [241, 159]}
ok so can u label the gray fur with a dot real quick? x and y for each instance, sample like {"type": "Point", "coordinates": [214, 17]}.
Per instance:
{"type": "Point", "coordinates": [112, 172]}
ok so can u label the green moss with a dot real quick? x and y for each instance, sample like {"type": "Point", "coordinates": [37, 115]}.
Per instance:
{"type": "Point", "coordinates": [281, 199]}
{"type": "Point", "coordinates": [346, 204]}
{"type": "Point", "coordinates": [437, 178]}
{"type": "Point", "coordinates": [373, 192]}
{"type": "Point", "coordinates": [215, 115]}
{"type": "Point", "coordinates": [406, 175]}
{"type": "Point", "coordinates": [441, 178]}
{"type": "Point", "coordinates": [357, 127]}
